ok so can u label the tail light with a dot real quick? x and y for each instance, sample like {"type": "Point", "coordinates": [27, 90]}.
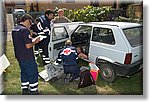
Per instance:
{"type": "Point", "coordinates": [128, 58]}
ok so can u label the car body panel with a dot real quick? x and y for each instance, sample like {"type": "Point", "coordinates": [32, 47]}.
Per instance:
{"type": "Point", "coordinates": [114, 53]}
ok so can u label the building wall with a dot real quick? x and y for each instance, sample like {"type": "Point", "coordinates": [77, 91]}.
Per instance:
{"type": "Point", "coordinates": [52, 4]}
{"type": "Point", "coordinates": [138, 10]}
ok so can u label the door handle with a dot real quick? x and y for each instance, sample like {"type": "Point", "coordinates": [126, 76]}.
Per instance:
{"type": "Point", "coordinates": [135, 55]}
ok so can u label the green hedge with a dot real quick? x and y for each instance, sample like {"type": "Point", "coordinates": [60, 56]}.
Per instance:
{"type": "Point", "coordinates": [96, 14]}
{"type": "Point", "coordinates": [89, 13]}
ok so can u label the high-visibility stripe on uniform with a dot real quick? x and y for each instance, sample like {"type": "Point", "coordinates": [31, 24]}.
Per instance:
{"type": "Point", "coordinates": [39, 26]}
{"type": "Point", "coordinates": [36, 52]}
{"type": "Point", "coordinates": [46, 59]}
{"type": "Point", "coordinates": [34, 84]}
{"type": "Point", "coordinates": [41, 18]}
{"type": "Point", "coordinates": [40, 50]}
{"type": "Point", "coordinates": [25, 83]}
{"type": "Point", "coordinates": [24, 87]}
{"type": "Point", "coordinates": [15, 30]}
{"type": "Point", "coordinates": [35, 89]}
{"type": "Point", "coordinates": [59, 59]}
{"type": "Point", "coordinates": [76, 58]}
{"type": "Point", "coordinates": [46, 30]}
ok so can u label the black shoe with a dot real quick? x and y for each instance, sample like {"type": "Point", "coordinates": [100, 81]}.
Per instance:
{"type": "Point", "coordinates": [34, 92]}
{"type": "Point", "coordinates": [71, 79]}
{"type": "Point", "coordinates": [67, 78]}
{"type": "Point", "coordinates": [25, 92]}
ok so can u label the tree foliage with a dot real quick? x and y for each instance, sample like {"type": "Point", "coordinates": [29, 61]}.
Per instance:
{"type": "Point", "coordinates": [89, 13]}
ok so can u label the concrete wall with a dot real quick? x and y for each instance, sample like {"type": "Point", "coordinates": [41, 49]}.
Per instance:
{"type": "Point", "coordinates": [49, 4]}
{"type": "Point", "coordinates": [10, 22]}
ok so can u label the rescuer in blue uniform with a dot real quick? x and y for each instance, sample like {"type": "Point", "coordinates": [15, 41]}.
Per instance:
{"type": "Point", "coordinates": [68, 55]}
{"type": "Point", "coordinates": [25, 56]}
{"type": "Point", "coordinates": [45, 26]}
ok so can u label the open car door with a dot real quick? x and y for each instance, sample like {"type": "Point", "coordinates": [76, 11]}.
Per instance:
{"type": "Point", "coordinates": [58, 37]}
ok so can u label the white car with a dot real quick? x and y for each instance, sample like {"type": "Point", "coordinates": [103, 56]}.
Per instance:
{"type": "Point", "coordinates": [19, 11]}
{"type": "Point", "coordinates": [115, 47]}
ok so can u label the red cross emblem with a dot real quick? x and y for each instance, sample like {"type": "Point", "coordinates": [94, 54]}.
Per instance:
{"type": "Point", "coordinates": [67, 51]}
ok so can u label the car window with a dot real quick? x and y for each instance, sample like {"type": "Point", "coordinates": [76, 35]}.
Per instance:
{"type": "Point", "coordinates": [82, 34]}
{"type": "Point", "coordinates": [103, 35]}
{"type": "Point", "coordinates": [84, 29]}
{"type": "Point", "coordinates": [134, 35]}
{"type": "Point", "coordinates": [59, 33]}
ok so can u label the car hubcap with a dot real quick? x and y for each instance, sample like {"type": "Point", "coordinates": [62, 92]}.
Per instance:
{"type": "Point", "coordinates": [107, 72]}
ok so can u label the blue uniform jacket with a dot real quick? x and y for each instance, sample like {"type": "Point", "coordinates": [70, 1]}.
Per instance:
{"type": "Point", "coordinates": [44, 25]}
{"type": "Point", "coordinates": [68, 55]}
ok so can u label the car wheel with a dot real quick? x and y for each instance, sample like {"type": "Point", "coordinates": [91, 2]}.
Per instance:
{"type": "Point", "coordinates": [107, 72]}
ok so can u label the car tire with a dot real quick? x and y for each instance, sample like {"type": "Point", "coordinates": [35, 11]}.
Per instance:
{"type": "Point", "coordinates": [107, 72]}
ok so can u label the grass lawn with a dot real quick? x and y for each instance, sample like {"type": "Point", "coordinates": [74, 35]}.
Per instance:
{"type": "Point", "coordinates": [122, 86]}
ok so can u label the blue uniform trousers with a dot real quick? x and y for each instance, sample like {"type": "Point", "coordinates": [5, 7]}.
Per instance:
{"type": "Point", "coordinates": [29, 75]}
{"type": "Point", "coordinates": [44, 46]}
{"type": "Point", "coordinates": [74, 70]}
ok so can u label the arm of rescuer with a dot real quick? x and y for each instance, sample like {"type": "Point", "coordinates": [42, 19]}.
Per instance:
{"type": "Point", "coordinates": [30, 45]}
{"type": "Point", "coordinates": [28, 40]}
{"type": "Point", "coordinates": [59, 59]}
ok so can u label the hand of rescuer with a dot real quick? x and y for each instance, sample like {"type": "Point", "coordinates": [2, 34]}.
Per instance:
{"type": "Point", "coordinates": [30, 45]}
{"type": "Point", "coordinates": [37, 40]}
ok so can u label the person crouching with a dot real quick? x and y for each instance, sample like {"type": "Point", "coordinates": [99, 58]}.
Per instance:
{"type": "Point", "coordinates": [68, 55]}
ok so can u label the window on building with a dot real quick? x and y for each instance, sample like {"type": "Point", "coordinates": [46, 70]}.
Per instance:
{"type": "Point", "coordinates": [70, 1]}
{"type": "Point", "coordinates": [94, 3]}
{"type": "Point", "coordinates": [9, 10]}
{"type": "Point", "coordinates": [56, 1]}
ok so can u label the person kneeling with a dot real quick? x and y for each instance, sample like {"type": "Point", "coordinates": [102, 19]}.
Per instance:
{"type": "Point", "coordinates": [68, 55]}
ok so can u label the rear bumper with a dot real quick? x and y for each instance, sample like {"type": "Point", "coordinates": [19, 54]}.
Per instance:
{"type": "Point", "coordinates": [125, 70]}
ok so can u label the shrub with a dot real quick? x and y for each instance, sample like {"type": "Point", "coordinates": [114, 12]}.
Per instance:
{"type": "Point", "coordinates": [89, 13]}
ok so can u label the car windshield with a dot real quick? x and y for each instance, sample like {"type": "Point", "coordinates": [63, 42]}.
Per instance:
{"type": "Point", "coordinates": [134, 35]}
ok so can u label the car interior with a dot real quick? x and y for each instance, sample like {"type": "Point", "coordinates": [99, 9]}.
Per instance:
{"type": "Point", "coordinates": [81, 38]}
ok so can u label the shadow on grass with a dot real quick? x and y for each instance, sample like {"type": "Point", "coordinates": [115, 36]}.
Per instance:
{"type": "Point", "coordinates": [122, 86]}
{"type": "Point", "coordinates": [72, 88]}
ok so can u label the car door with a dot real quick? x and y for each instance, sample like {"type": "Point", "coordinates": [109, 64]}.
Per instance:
{"type": "Point", "coordinates": [102, 43]}
{"type": "Point", "coordinates": [58, 37]}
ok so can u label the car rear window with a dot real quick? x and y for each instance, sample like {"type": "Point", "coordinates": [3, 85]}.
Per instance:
{"type": "Point", "coordinates": [134, 35]}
